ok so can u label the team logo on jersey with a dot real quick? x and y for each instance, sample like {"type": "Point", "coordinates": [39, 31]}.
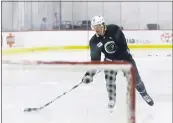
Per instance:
{"type": "Point", "coordinates": [110, 47]}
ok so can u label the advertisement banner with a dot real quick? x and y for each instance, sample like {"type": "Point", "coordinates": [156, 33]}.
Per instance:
{"type": "Point", "coordinates": [166, 37]}
{"type": "Point", "coordinates": [81, 38]}
{"type": "Point", "coordinates": [148, 37]}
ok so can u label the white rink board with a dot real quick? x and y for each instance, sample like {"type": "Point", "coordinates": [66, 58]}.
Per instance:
{"type": "Point", "coordinates": [81, 38]}
{"type": "Point", "coordinates": [88, 103]}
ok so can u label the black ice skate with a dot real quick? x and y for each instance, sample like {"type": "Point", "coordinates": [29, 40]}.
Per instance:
{"type": "Point", "coordinates": [148, 99]}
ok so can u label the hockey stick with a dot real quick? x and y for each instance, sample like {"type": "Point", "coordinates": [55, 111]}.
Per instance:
{"type": "Point", "coordinates": [37, 109]}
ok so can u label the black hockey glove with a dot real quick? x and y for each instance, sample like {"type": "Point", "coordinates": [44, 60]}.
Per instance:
{"type": "Point", "coordinates": [87, 79]}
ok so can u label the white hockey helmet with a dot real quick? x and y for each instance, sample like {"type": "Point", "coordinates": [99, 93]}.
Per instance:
{"type": "Point", "coordinates": [97, 20]}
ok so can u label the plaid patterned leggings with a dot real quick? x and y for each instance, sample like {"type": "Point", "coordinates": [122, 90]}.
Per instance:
{"type": "Point", "coordinates": [110, 77]}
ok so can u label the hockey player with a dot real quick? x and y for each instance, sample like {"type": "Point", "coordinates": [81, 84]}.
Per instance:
{"type": "Point", "coordinates": [110, 40]}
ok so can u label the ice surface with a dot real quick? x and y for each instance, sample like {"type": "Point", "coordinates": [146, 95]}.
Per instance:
{"type": "Point", "coordinates": [24, 87]}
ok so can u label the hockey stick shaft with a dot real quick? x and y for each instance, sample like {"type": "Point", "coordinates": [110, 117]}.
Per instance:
{"type": "Point", "coordinates": [61, 95]}
{"type": "Point", "coordinates": [66, 92]}
{"type": "Point", "coordinates": [36, 109]}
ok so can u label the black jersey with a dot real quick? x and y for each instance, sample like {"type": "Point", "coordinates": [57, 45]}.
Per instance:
{"type": "Point", "coordinates": [113, 45]}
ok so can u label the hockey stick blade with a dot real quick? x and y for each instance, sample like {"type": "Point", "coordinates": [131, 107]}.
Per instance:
{"type": "Point", "coordinates": [37, 109]}
{"type": "Point", "coordinates": [30, 109]}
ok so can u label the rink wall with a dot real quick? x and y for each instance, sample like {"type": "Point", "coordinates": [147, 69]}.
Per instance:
{"type": "Point", "coordinates": [32, 41]}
